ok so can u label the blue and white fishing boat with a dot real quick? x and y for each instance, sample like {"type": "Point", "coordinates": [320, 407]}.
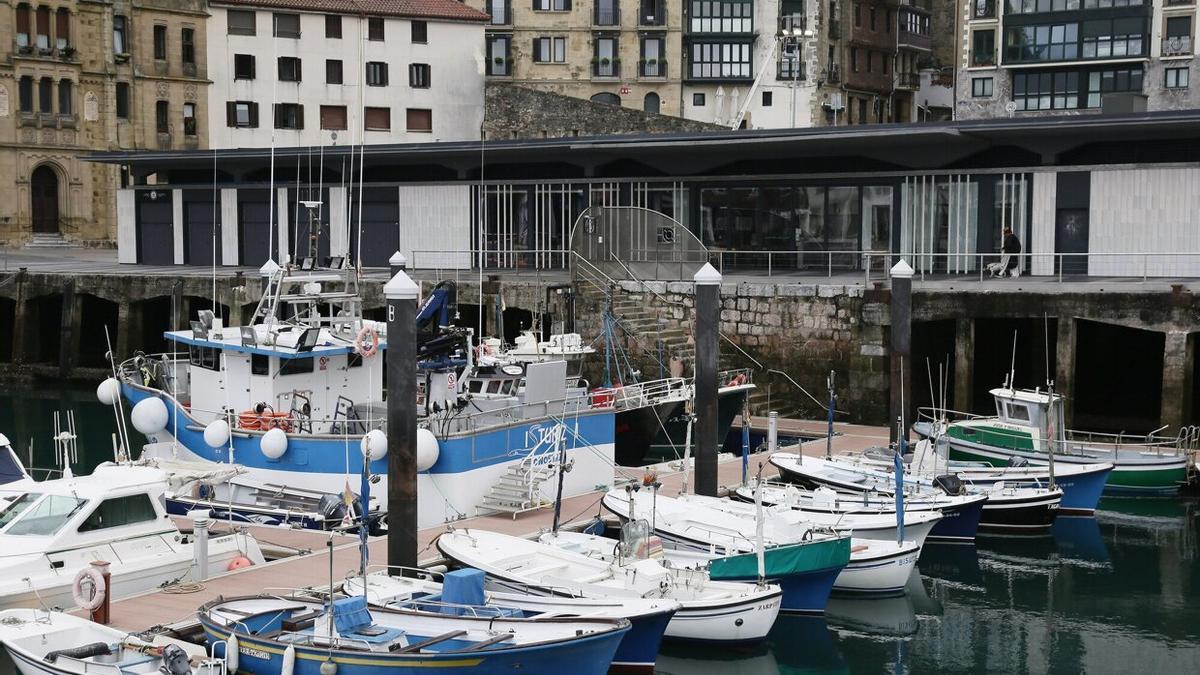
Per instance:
{"type": "Point", "coordinates": [268, 635]}
{"type": "Point", "coordinates": [297, 396]}
{"type": "Point", "coordinates": [463, 591]}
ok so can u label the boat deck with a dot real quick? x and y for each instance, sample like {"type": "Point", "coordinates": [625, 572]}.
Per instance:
{"type": "Point", "coordinates": [177, 607]}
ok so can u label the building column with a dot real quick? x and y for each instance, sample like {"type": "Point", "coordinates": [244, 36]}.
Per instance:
{"type": "Point", "coordinates": [1178, 361]}
{"type": "Point", "coordinates": [20, 349]}
{"type": "Point", "coordinates": [1064, 377]}
{"type": "Point", "coordinates": [964, 355]}
{"type": "Point", "coordinates": [129, 323]}
{"type": "Point", "coordinates": [70, 328]}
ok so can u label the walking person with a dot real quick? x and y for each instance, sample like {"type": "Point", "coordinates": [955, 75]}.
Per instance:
{"type": "Point", "coordinates": [1012, 252]}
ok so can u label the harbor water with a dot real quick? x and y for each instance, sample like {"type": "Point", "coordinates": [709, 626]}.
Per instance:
{"type": "Point", "coordinates": [1116, 593]}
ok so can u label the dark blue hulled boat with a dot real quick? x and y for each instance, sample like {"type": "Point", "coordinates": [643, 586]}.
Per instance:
{"type": "Point", "coordinates": [269, 635]}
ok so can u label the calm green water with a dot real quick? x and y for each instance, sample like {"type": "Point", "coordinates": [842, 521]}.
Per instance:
{"type": "Point", "coordinates": [1117, 593]}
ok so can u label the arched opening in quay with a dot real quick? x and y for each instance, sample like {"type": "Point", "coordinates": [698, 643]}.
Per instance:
{"type": "Point", "coordinates": [8, 320]}
{"type": "Point", "coordinates": [1031, 356]}
{"type": "Point", "coordinates": [155, 319]}
{"type": "Point", "coordinates": [932, 346]}
{"type": "Point", "coordinates": [44, 315]}
{"type": "Point", "coordinates": [1118, 378]}
{"type": "Point", "coordinates": [96, 315]}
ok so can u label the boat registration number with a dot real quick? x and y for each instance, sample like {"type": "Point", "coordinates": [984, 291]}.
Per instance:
{"type": "Point", "coordinates": [256, 653]}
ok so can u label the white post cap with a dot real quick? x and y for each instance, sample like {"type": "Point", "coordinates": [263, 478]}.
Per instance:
{"type": "Point", "coordinates": [269, 268]}
{"type": "Point", "coordinates": [707, 276]}
{"type": "Point", "coordinates": [397, 259]}
{"type": "Point", "coordinates": [401, 287]}
{"type": "Point", "coordinates": [902, 270]}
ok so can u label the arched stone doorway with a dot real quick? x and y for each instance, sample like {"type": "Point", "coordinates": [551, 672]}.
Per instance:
{"type": "Point", "coordinates": [651, 103]}
{"type": "Point", "coordinates": [43, 191]}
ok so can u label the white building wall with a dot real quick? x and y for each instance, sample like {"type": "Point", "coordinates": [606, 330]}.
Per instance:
{"type": "Point", "coordinates": [1043, 220]}
{"type": "Point", "coordinates": [435, 226]}
{"type": "Point", "coordinates": [1145, 211]}
{"type": "Point", "coordinates": [454, 52]}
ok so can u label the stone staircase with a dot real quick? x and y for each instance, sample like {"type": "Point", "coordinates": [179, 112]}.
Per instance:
{"type": "Point", "coordinates": [48, 240]}
{"type": "Point", "coordinates": [519, 489]}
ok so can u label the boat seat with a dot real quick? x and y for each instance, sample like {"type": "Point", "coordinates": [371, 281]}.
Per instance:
{"type": "Point", "coordinates": [602, 576]}
{"type": "Point", "coordinates": [503, 637]}
{"type": "Point", "coordinates": [540, 571]}
{"type": "Point", "coordinates": [301, 621]}
{"type": "Point", "coordinates": [417, 646]}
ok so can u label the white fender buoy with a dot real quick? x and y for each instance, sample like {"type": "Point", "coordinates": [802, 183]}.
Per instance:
{"type": "Point", "coordinates": [150, 415]}
{"type": "Point", "coordinates": [427, 449]}
{"type": "Point", "coordinates": [216, 434]}
{"type": "Point", "coordinates": [84, 601]}
{"type": "Point", "coordinates": [374, 445]}
{"type": "Point", "coordinates": [289, 661]}
{"type": "Point", "coordinates": [231, 653]}
{"type": "Point", "coordinates": [109, 391]}
{"type": "Point", "coordinates": [274, 444]}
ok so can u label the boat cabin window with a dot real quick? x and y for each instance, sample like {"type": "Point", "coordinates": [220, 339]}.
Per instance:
{"type": "Point", "coordinates": [260, 364]}
{"type": "Point", "coordinates": [15, 507]}
{"type": "Point", "coordinates": [120, 511]}
{"type": "Point", "coordinates": [354, 360]}
{"type": "Point", "coordinates": [295, 366]}
{"type": "Point", "coordinates": [1018, 411]}
{"type": "Point", "coordinates": [493, 386]}
{"type": "Point", "coordinates": [47, 516]}
{"type": "Point", "coordinates": [204, 357]}
{"type": "Point", "coordinates": [475, 386]}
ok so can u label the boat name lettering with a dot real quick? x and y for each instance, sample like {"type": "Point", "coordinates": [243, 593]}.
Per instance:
{"type": "Point", "coordinates": [256, 653]}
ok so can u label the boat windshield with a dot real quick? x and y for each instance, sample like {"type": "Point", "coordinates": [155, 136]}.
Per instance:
{"type": "Point", "coordinates": [13, 508]}
{"type": "Point", "coordinates": [43, 516]}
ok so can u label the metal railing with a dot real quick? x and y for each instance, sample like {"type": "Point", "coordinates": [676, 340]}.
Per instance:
{"type": "Point", "coordinates": [1179, 45]}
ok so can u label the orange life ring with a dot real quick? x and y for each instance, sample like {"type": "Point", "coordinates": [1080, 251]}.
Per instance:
{"type": "Point", "coordinates": [363, 348]}
{"type": "Point", "coordinates": [738, 380]}
{"type": "Point", "coordinates": [275, 420]}
{"type": "Point", "coordinates": [249, 419]}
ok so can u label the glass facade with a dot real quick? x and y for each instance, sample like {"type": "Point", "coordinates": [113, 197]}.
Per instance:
{"type": "Point", "coordinates": [1072, 88]}
{"type": "Point", "coordinates": [721, 16]}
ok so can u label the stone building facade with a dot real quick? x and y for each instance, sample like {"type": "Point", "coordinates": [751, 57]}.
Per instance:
{"type": "Point", "coordinates": [77, 77]}
{"type": "Point", "coordinates": [1065, 57]}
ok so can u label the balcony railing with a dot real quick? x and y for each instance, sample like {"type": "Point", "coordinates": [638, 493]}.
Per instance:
{"type": "Point", "coordinates": [911, 39]}
{"type": "Point", "coordinates": [908, 80]}
{"type": "Point", "coordinates": [607, 14]}
{"type": "Point", "coordinates": [652, 68]}
{"type": "Point", "coordinates": [499, 66]}
{"type": "Point", "coordinates": [790, 22]}
{"type": "Point", "coordinates": [652, 13]}
{"type": "Point", "coordinates": [1177, 46]}
{"type": "Point", "coordinates": [834, 74]}
{"type": "Point", "coordinates": [606, 67]}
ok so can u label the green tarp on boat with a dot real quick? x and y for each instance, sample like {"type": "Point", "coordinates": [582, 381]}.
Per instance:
{"type": "Point", "coordinates": [781, 561]}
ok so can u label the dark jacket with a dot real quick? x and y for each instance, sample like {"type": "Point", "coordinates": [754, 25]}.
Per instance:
{"type": "Point", "coordinates": [1012, 246]}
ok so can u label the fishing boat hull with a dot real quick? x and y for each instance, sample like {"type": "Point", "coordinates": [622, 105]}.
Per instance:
{"type": "Point", "coordinates": [1032, 514]}
{"type": "Point", "coordinates": [467, 467]}
{"type": "Point", "coordinates": [669, 443]}
{"type": "Point", "coordinates": [883, 569]}
{"type": "Point", "coordinates": [638, 429]}
{"type": "Point", "coordinates": [806, 572]}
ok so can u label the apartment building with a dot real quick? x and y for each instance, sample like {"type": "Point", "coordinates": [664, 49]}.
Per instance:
{"type": "Point", "coordinates": [622, 52]}
{"type": "Point", "coordinates": [80, 77]}
{"type": "Point", "coordinates": [1038, 57]}
{"type": "Point", "coordinates": [319, 72]}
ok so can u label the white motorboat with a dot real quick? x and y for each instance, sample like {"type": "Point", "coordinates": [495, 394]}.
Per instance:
{"type": "Point", "coordinates": [710, 611]}
{"type": "Point", "coordinates": [56, 528]}
{"type": "Point", "coordinates": [54, 643]}
{"type": "Point", "coordinates": [698, 533]}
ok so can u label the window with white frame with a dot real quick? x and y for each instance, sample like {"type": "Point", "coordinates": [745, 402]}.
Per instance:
{"type": "Point", "coordinates": [1176, 78]}
{"type": "Point", "coordinates": [720, 60]}
{"type": "Point", "coordinates": [722, 16]}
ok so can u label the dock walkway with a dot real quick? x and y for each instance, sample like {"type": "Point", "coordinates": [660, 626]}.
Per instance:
{"type": "Point", "coordinates": [173, 607]}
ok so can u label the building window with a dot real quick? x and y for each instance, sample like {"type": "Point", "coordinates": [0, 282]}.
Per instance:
{"type": "Point", "coordinates": [241, 114]}
{"type": "Point", "coordinates": [419, 119]}
{"type": "Point", "coordinates": [1115, 80]}
{"type": "Point", "coordinates": [697, 99]}
{"type": "Point", "coordinates": [550, 50]}
{"type": "Point", "coordinates": [986, 9]}
{"type": "Point", "coordinates": [289, 69]}
{"type": "Point", "coordinates": [605, 62]}
{"type": "Point", "coordinates": [767, 99]}
{"type": "Point", "coordinates": [333, 71]}
{"type": "Point", "coordinates": [160, 43]}
{"type": "Point", "coordinates": [1109, 38]}
{"type": "Point", "coordinates": [119, 35]}
{"type": "Point", "coordinates": [189, 119]}
{"type": "Point", "coordinates": [377, 74]}
{"type": "Point", "coordinates": [123, 100]}
{"type": "Point", "coordinates": [983, 48]}
{"type": "Point", "coordinates": [286, 25]}
{"type": "Point", "coordinates": [716, 60]}
{"type": "Point", "coordinates": [722, 16]}
{"type": "Point", "coordinates": [46, 96]}
{"type": "Point", "coordinates": [870, 61]}
{"type": "Point", "coordinates": [857, 15]}
{"type": "Point", "coordinates": [64, 97]}
{"type": "Point", "coordinates": [375, 29]}
{"type": "Point", "coordinates": [1178, 38]}
{"type": "Point", "coordinates": [333, 117]}
{"type": "Point", "coordinates": [500, 12]}
{"type": "Point", "coordinates": [289, 116]}
{"type": "Point", "coordinates": [240, 22]}
{"type": "Point", "coordinates": [23, 16]}
{"type": "Point", "coordinates": [25, 94]}
{"type": "Point", "coordinates": [854, 59]}
{"type": "Point", "coordinates": [162, 117]}
{"type": "Point", "coordinates": [187, 43]}
{"type": "Point", "coordinates": [871, 13]}
{"type": "Point", "coordinates": [1046, 91]}
{"type": "Point", "coordinates": [1051, 42]}
{"type": "Point", "coordinates": [333, 26]}
{"type": "Point", "coordinates": [43, 27]}
{"type": "Point", "coordinates": [1042, 6]}
{"type": "Point", "coordinates": [243, 66]}
{"type": "Point", "coordinates": [552, 5]}
{"type": "Point", "coordinates": [607, 13]}
{"type": "Point", "coordinates": [377, 119]}
{"type": "Point", "coordinates": [981, 87]}
{"type": "Point", "coordinates": [653, 64]}
{"type": "Point", "coordinates": [418, 75]}
{"type": "Point", "coordinates": [62, 29]}
{"type": "Point", "coordinates": [1176, 78]}
{"type": "Point", "coordinates": [419, 32]}
{"type": "Point", "coordinates": [499, 61]}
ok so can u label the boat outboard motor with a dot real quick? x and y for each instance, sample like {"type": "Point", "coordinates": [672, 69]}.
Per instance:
{"type": "Point", "coordinates": [950, 484]}
{"type": "Point", "coordinates": [175, 661]}
{"type": "Point", "coordinates": [1017, 461]}
{"type": "Point", "coordinates": [80, 652]}
{"type": "Point", "coordinates": [331, 507]}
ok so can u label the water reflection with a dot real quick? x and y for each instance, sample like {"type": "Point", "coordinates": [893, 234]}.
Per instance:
{"type": "Point", "coordinates": [27, 418]}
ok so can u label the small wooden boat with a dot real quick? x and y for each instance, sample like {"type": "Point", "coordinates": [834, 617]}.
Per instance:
{"type": "Point", "coordinates": [268, 635]}
{"type": "Point", "coordinates": [462, 592]}
{"type": "Point", "coordinates": [710, 611]}
{"type": "Point", "coordinates": [54, 643]}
